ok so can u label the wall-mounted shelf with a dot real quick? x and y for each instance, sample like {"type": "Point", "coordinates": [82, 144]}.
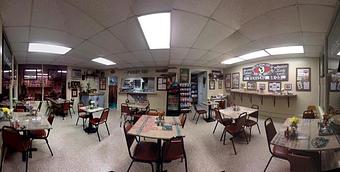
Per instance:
{"type": "Point", "coordinates": [254, 93]}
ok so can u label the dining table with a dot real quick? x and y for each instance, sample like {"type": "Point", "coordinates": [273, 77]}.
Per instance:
{"type": "Point", "coordinates": [210, 104]}
{"type": "Point", "coordinates": [147, 127]}
{"type": "Point", "coordinates": [312, 136]}
{"type": "Point", "coordinates": [234, 113]}
{"type": "Point", "coordinates": [90, 129]}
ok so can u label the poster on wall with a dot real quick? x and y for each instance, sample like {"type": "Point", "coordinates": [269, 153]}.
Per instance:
{"type": "Point", "coordinates": [334, 85]}
{"type": "Point", "coordinates": [274, 86]}
{"type": "Point", "coordinates": [262, 86]}
{"type": "Point", "coordinates": [102, 84]}
{"type": "Point", "coordinates": [161, 83]}
{"type": "Point", "coordinates": [220, 83]}
{"type": "Point", "coordinates": [288, 86]}
{"type": "Point", "coordinates": [303, 79]}
{"type": "Point", "coordinates": [228, 80]}
{"type": "Point", "coordinates": [76, 74]}
{"type": "Point", "coordinates": [251, 85]}
{"type": "Point", "coordinates": [235, 80]}
{"type": "Point", "coordinates": [184, 75]}
{"type": "Point", "coordinates": [211, 84]}
{"type": "Point", "coordinates": [266, 72]}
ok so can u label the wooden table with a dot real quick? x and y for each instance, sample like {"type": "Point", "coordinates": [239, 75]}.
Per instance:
{"type": "Point", "coordinates": [209, 104]}
{"type": "Point", "coordinates": [230, 113]}
{"type": "Point", "coordinates": [56, 101]}
{"type": "Point", "coordinates": [138, 105]}
{"type": "Point", "coordinates": [89, 111]}
{"type": "Point", "coordinates": [146, 127]}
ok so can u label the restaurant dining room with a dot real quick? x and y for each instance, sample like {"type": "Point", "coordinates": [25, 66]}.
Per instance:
{"type": "Point", "coordinates": [170, 85]}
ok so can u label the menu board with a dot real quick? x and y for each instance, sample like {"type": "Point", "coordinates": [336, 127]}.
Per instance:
{"type": "Point", "coordinates": [266, 72]}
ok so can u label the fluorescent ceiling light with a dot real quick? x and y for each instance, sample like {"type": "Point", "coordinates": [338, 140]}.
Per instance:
{"type": "Point", "coordinates": [338, 53]}
{"type": "Point", "coordinates": [254, 55]}
{"type": "Point", "coordinates": [285, 50]}
{"type": "Point", "coordinates": [156, 29]}
{"type": "Point", "coordinates": [62, 71]}
{"type": "Point", "coordinates": [232, 60]}
{"type": "Point", "coordinates": [47, 48]}
{"type": "Point", "coordinates": [103, 61]}
{"type": "Point", "coordinates": [32, 70]}
{"type": "Point", "coordinates": [7, 71]}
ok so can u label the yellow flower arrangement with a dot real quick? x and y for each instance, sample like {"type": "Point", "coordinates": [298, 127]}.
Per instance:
{"type": "Point", "coordinates": [294, 121]}
{"type": "Point", "coordinates": [5, 110]}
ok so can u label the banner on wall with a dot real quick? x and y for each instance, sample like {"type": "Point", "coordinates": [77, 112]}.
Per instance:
{"type": "Point", "coordinates": [266, 72]}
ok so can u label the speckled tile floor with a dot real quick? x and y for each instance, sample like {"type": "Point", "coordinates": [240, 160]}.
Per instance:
{"type": "Point", "coordinates": [75, 151]}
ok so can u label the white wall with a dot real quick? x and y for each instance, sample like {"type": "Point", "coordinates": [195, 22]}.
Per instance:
{"type": "Point", "coordinates": [298, 104]}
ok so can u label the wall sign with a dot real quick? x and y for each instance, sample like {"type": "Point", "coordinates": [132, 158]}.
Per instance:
{"type": "Point", "coordinates": [266, 72]}
{"type": "Point", "coordinates": [228, 80]}
{"type": "Point", "coordinates": [235, 80]}
{"type": "Point", "coordinates": [303, 79]}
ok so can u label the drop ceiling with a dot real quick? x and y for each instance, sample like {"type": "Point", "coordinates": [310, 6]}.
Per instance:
{"type": "Point", "coordinates": [203, 32]}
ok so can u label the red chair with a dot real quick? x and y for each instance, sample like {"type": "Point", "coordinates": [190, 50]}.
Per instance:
{"type": "Point", "coordinates": [125, 112]}
{"type": "Point", "coordinates": [183, 118]}
{"type": "Point", "coordinates": [13, 140]}
{"type": "Point", "coordinates": [236, 129]}
{"type": "Point", "coordinates": [310, 163]}
{"type": "Point", "coordinates": [173, 150]}
{"type": "Point", "coordinates": [219, 119]}
{"type": "Point", "coordinates": [67, 108]}
{"type": "Point", "coordinates": [250, 123]}
{"type": "Point", "coordinates": [42, 134]}
{"type": "Point", "coordinates": [199, 112]}
{"type": "Point", "coordinates": [103, 118]}
{"type": "Point", "coordinates": [82, 114]}
{"type": "Point", "coordinates": [144, 152]}
{"type": "Point", "coordinates": [308, 114]}
{"type": "Point", "coordinates": [19, 110]}
{"type": "Point", "coordinates": [277, 151]}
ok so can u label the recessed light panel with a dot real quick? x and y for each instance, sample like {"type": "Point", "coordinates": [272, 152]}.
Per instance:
{"type": "Point", "coordinates": [338, 53]}
{"type": "Point", "coordinates": [232, 60]}
{"type": "Point", "coordinates": [285, 50]}
{"type": "Point", "coordinates": [254, 55]}
{"type": "Point", "coordinates": [103, 61]}
{"type": "Point", "coordinates": [156, 29]}
{"type": "Point", "coordinates": [47, 48]}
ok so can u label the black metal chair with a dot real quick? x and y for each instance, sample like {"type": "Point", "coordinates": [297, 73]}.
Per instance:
{"type": "Point", "coordinates": [250, 122]}
{"type": "Point", "coordinates": [173, 150]}
{"type": "Point", "coordinates": [199, 112]}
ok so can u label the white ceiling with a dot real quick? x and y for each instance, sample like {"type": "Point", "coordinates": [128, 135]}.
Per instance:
{"type": "Point", "coordinates": [204, 32]}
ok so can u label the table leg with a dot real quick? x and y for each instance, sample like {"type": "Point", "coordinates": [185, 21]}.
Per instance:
{"type": "Point", "coordinates": [159, 162]}
{"type": "Point", "coordinates": [209, 119]}
{"type": "Point", "coordinates": [89, 129]}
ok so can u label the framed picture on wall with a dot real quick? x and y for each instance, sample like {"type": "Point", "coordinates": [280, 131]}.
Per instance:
{"type": "Point", "coordinates": [228, 80]}
{"type": "Point", "coordinates": [211, 84]}
{"type": "Point", "coordinates": [220, 83]}
{"type": "Point", "coordinates": [184, 75]}
{"type": "Point", "coordinates": [76, 74]}
{"type": "Point", "coordinates": [102, 84]}
{"type": "Point", "coordinates": [262, 86]}
{"type": "Point", "coordinates": [235, 80]}
{"type": "Point", "coordinates": [274, 86]}
{"type": "Point", "coordinates": [161, 83]}
{"type": "Point", "coordinates": [288, 86]}
{"type": "Point", "coordinates": [251, 85]}
{"type": "Point", "coordinates": [303, 79]}
{"type": "Point", "coordinates": [74, 92]}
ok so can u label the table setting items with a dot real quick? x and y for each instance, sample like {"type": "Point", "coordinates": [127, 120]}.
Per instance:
{"type": "Point", "coordinates": [236, 108]}
{"type": "Point", "coordinates": [291, 131]}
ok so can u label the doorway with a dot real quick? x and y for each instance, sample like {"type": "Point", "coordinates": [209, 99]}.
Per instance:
{"type": "Point", "coordinates": [113, 86]}
{"type": "Point", "coordinates": [199, 86]}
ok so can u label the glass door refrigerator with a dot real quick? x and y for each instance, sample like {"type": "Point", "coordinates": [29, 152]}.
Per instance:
{"type": "Point", "coordinates": [173, 100]}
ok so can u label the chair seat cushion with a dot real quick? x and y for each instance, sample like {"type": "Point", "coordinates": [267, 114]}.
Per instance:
{"type": "Point", "coordinates": [84, 116]}
{"type": "Point", "coordinates": [280, 152]}
{"type": "Point", "coordinates": [233, 129]}
{"type": "Point", "coordinates": [201, 111]}
{"type": "Point", "coordinates": [94, 120]}
{"type": "Point", "coordinates": [226, 121]}
{"type": "Point", "coordinates": [146, 151]}
{"type": "Point", "coordinates": [172, 150]}
{"type": "Point", "coordinates": [250, 122]}
{"type": "Point", "coordinates": [38, 134]}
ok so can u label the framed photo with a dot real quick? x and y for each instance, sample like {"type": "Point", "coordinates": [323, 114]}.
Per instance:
{"type": "Point", "coordinates": [74, 92]}
{"type": "Point", "coordinates": [262, 86]}
{"type": "Point", "coordinates": [288, 86]}
{"type": "Point", "coordinates": [303, 79]}
{"type": "Point", "coordinates": [220, 83]}
{"type": "Point", "coordinates": [211, 84]}
{"type": "Point", "coordinates": [228, 80]}
{"type": "Point", "coordinates": [334, 85]}
{"type": "Point", "coordinates": [76, 74]}
{"type": "Point", "coordinates": [274, 86]}
{"type": "Point", "coordinates": [251, 85]}
{"type": "Point", "coordinates": [161, 83]}
{"type": "Point", "coordinates": [102, 84]}
{"type": "Point", "coordinates": [235, 80]}
{"type": "Point", "coordinates": [184, 75]}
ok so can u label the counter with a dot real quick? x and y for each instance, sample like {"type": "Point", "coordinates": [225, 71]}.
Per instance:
{"type": "Point", "coordinates": [87, 97]}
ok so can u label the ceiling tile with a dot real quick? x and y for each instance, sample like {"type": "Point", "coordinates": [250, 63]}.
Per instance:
{"type": "Point", "coordinates": [19, 47]}
{"type": "Point", "coordinates": [318, 2]}
{"type": "Point", "coordinates": [185, 28]}
{"type": "Point", "coordinates": [159, 55]}
{"type": "Point", "coordinates": [178, 53]}
{"type": "Point", "coordinates": [203, 7]}
{"type": "Point", "coordinates": [196, 54]}
{"type": "Point", "coordinates": [91, 49]}
{"type": "Point", "coordinates": [142, 7]}
{"type": "Point", "coordinates": [285, 39]}
{"type": "Point", "coordinates": [210, 55]}
{"type": "Point", "coordinates": [234, 40]}
{"type": "Point", "coordinates": [315, 18]}
{"type": "Point", "coordinates": [212, 34]}
{"type": "Point", "coordinates": [106, 40]}
{"type": "Point", "coordinates": [143, 56]}
{"type": "Point", "coordinates": [313, 38]}
{"type": "Point", "coordinates": [17, 34]}
{"type": "Point", "coordinates": [15, 13]}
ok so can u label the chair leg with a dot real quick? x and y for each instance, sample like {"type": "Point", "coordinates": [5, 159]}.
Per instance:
{"type": "Point", "coordinates": [225, 134]}
{"type": "Point", "coordinates": [151, 166]}
{"type": "Point", "coordinates": [49, 146]}
{"type": "Point", "coordinates": [198, 118]}
{"type": "Point", "coordinates": [250, 133]}
{"type": "Point", "coordinates": [130, 166]}
{"type": "Point", "coordinates": [3, 154]}
{"type": "Point", "coordinates": [70, 113]}
{"type": "Point", "coordinates": [222, 134]}
{"type": "Point", "coordinates": [185, 164]}
{"type": "Point", "coordinates": [194, 116]}
{"type": "Point", "coordinates": [245, 135]}
{"type": "Point", "coordinates": [83, 123]}
{"type": "Point", "coordinates": [215, 127]}
{"type": "Point", "coordinates": [107, 128]}
{"type": "Point", "coordinates": [26, 159]}
{"type": "Point", "coordinates": [232, 141]}
{"type": "Point", "coordinates": [268, 164]}
{"type": "Point", "coordinates": [98, 132]}
{"type": "Point", "coordinates": [77, 120]}
{"type": "Point", "coordinates": [258, 127]}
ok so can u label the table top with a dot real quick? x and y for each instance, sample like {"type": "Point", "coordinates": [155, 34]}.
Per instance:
{"type": "Point", "coordinates": [138, 105]}
{"type": "Point", "coordinates": [209, 103]}
{"type": "Point", "coordinates": [56, 101]}
{"type": "Point", "coordinates": [229, 112]}
{"type": "Point", "coordinates": [28, 122]}
{"type": "Point", "coordinates": [146, 127]}
{"type": "Point", "coordinates": [307, 130]}
{"type": "Point", "coordinates": [93, 110]}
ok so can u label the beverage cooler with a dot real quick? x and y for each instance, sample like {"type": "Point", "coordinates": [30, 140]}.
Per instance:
{"type": "Point", "coordinates": [173, 100]}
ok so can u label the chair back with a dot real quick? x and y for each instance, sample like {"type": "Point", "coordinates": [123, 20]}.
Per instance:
{"type": "Point", "coordinates": [66, 105]}
{"type": "Point", "coordinates": [39, 106]}
{"type": "Point", "coordinates": [303, 163]}
{"type": "Point", "coordinates": [105, 114]}
{"type": "Point", "coordinates": [218, 115]}
{"type": "Point", "coordinates": [221, 104]}
{"type": "Point", "coordinates": [308, 114]}
{"type": "Point", "coordinates": [129, 138]}
{"type": "Point", "coordinates": [50, 118]}
{"type": "Point", "coordinates": [312, 108]}
{"type": "Point", "coordinates": [19, 110]}
{"type": "Point", "coordinates": [195, 107]}
{"type": "Point", "coordinates": [174, 149]}
{"type": "Point", "coordinates": [12, 139]}
{"type": "Point", "coordinates": [183, 118]}
{"type": "Point", "coordinates": [255, 114]}
{"type": "Point", "coordinates": [241, 120]}
{"type": "Point", "coordinates": [124, 107]}
{"type": "Point", "coordinates": [270, 131]}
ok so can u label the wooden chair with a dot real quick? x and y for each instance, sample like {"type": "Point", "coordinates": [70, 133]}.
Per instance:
{"type": "Point", "coordinates": [103, 119]}
{"type": "Point", "coordinates": [277, 151]}
{"type": "Point", "coordinates": [82, 114]}
{"type": "Point", "coordinates": [219, 119]}
{"type": "Point", "coordinates": [125, 112]}
{"type": "Point", "coordinates": [14, 141]}
{"type": "Point", "coordinates": [310, 163]}
{"type": "Point", "coordinates": [236, 129]}
{"type": "Point", "coordinates": [199, 112]}
{"type": "Point", "coordinates": [308, 114]}
{"type": "Point", "coordinates": [42, 134]}
{"type": "Point", "coordinates": [19, 110]}
{"type": "Point", "coordinates": [250, 123]}
{"type": "Point", "coordinates": [67, 108]}
{"type": "Point", "coordinates": [173, 150]}
{"type": "Point", "coordinates": [144, 152]}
